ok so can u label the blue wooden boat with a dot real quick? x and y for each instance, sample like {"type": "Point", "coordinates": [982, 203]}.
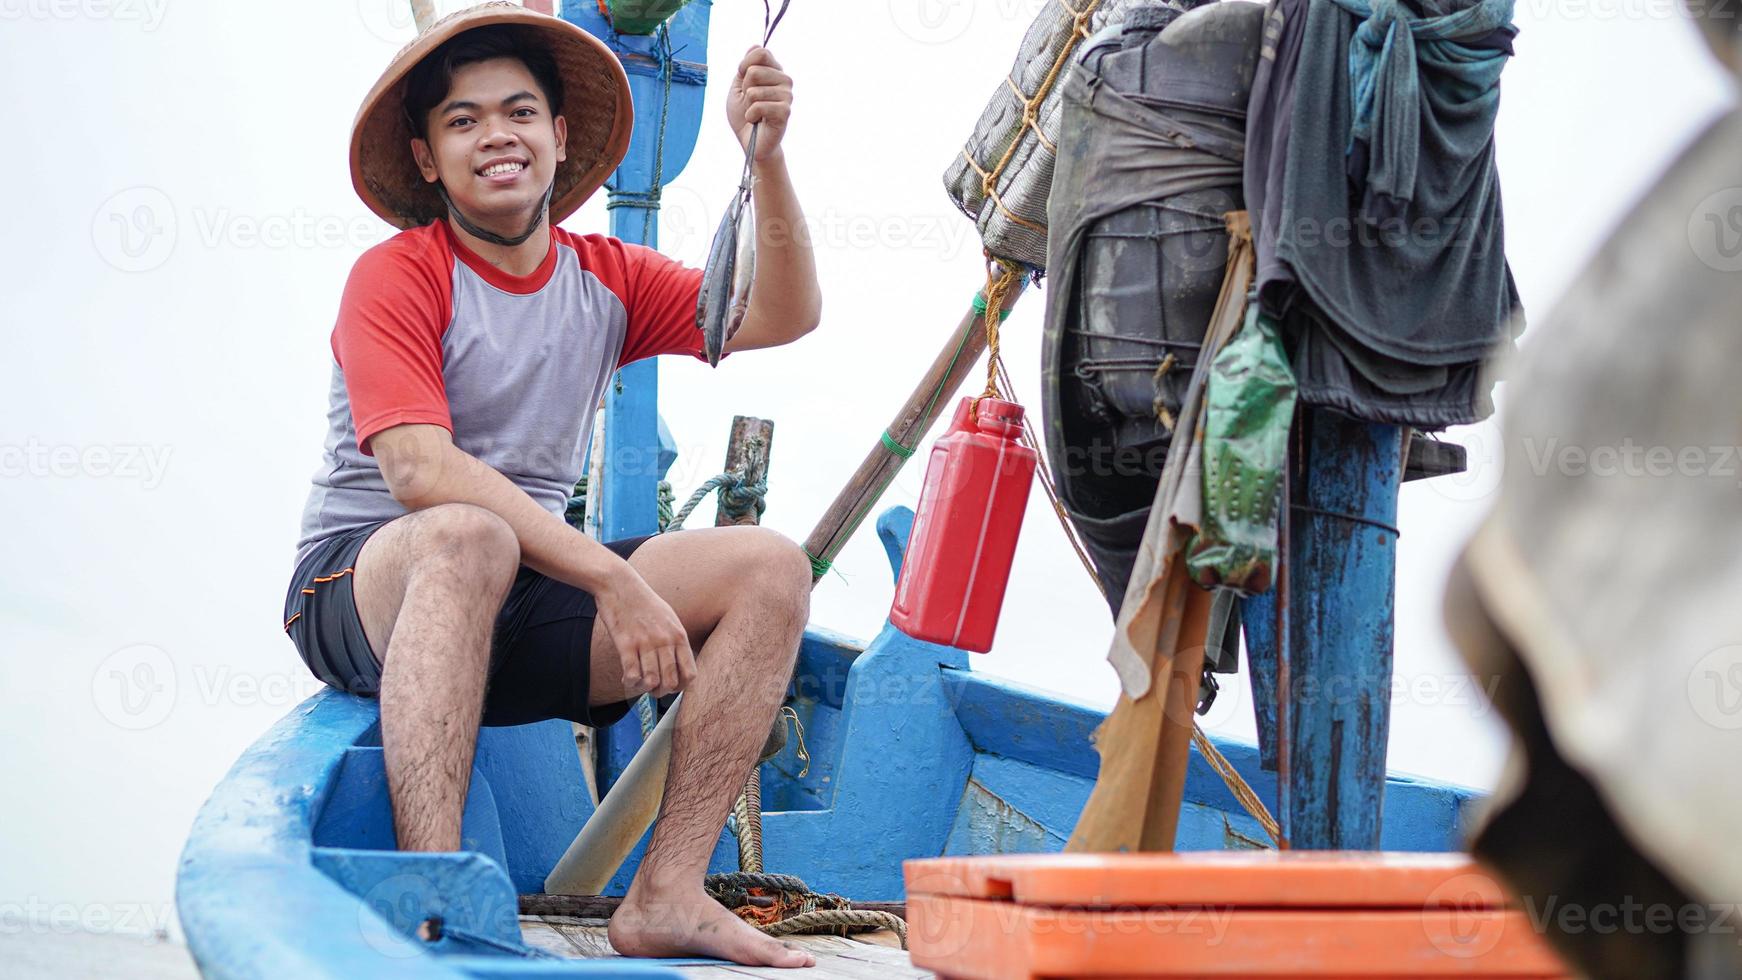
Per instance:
{"type": "Point", "coordinates": [290, 869]}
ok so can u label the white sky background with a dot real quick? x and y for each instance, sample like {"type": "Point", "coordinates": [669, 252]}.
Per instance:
{"type": "Point", "coordinates": [140, 597]}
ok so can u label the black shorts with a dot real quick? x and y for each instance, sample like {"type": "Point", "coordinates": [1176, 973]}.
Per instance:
{"type": "Point", "coordinates": [539, 652]}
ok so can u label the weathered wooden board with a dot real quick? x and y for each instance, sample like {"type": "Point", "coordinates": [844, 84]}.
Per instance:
{"type": "Point", "coordinates": [877, 956]}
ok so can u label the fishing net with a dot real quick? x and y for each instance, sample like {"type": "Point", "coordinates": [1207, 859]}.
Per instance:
{"type": "Point", "coordinates": [1002, 176]}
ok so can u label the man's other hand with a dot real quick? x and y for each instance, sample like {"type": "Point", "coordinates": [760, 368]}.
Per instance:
{"type": "Point", "coordinates": [650, 639]}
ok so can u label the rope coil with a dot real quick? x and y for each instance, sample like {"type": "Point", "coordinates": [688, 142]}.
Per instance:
{"type": "Point", "coordinates": [738, 497]}
{"type": "Point", "coordinates": [795, 908]}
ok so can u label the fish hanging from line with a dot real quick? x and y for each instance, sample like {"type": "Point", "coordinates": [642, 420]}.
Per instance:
{"type": "Point", "coordinates": [744, 275]}
{"type": "Point", "coordinates": [720, 295]}
{"type": "Point", "coordinates": [731, 267]}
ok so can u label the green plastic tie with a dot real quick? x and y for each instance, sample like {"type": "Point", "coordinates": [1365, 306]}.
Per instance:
{"type": "Point", "coordinates": [980, 308]}
{"type": "Point", "coordinates": [819, 566]}
{"type": "Point", "coordinates": [889, 443]}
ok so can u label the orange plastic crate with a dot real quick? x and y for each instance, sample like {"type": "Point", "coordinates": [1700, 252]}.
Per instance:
{"type": "Point", "coordinates": [1218, 914]}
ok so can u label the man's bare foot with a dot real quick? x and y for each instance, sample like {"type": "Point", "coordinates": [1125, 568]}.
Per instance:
{"type": "Point", "coordinates": [687, 922]}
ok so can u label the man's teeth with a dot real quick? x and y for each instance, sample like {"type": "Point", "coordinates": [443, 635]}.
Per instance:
{"type": "Point", "coordinates": [503, 168]}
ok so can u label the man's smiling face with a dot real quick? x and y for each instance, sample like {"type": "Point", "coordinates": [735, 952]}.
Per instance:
{"type": "Point", "coordinates": [494, 142]}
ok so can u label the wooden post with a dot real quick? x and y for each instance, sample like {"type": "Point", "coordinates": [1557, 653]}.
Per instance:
{"type": "Point", "coordinates": [1337, 662]}
{"type": "Point", "coordinates": [747, 452]}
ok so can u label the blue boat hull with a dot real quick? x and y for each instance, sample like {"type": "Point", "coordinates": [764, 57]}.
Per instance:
{"type": "Point", "coordinates": [290, 871]}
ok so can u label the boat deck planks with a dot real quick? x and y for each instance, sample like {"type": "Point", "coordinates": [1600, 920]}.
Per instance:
{"type": "Point", "coordinates": [876, 957]}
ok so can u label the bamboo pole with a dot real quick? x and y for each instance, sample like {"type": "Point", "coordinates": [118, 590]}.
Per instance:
{"type": "Point", "coordinates": [930, 398]}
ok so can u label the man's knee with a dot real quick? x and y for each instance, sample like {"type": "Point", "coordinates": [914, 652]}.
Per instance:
{"type": "Point", "coordinates": [780, 572]}
{"type": "Point", "coordinates": [469, 538]}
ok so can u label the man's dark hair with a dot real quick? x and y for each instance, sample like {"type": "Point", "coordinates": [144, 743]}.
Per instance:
{"type": "Point", "coordinates": [429, 81]}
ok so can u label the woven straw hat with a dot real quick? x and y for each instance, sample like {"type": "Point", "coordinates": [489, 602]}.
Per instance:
{"type": "Point", "coordinates": [596, 104]}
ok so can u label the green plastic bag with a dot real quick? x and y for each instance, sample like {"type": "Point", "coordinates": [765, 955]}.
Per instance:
{"type": "Point", "coordinates": [641, 16]}
{"type": "Point", "coordinates": [1248, 409]}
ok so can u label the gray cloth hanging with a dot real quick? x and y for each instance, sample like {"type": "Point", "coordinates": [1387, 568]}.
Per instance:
{"type": "Point", "coordinates": [1378, 222]}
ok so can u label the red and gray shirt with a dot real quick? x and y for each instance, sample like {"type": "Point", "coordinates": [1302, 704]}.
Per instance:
{"type": "Point", "coordinates": [513, 366]}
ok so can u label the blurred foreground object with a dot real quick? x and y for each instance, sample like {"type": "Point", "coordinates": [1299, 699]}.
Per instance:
{"type": "Point", "coordinates": [1601, 592]}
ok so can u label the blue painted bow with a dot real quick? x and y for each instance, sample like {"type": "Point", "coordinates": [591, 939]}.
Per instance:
{"type": "Point", "coordinates": [1385, 81]}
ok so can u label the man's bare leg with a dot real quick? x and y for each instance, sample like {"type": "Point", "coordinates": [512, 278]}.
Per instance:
{"type": "Point", "coordinates": [428, 587]}
{"type": "Point", "coordinates": [746, 593]}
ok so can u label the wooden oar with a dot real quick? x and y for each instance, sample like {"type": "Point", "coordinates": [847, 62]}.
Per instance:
{"type": "Point", "coordinates": [1145, 744]}
{"type": "Point", "coordinates": [622, 817]}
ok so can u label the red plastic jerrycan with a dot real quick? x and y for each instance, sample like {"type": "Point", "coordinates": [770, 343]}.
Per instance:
{"type": "Point", "coordinates": [964, 533]}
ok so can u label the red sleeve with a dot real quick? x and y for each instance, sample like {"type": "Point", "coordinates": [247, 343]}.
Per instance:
{"type": "Point", "coordinates": [388, 340]}
{"type": "Point", "coordinates": [660, 295]}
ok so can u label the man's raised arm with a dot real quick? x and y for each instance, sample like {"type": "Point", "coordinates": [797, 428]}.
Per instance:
{"type": "Point", "coordinates": [785, 300]}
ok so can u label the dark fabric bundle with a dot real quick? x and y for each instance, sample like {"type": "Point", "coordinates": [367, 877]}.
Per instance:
{"type": "Point", "coordinates": [1128, 146]}
{"type": "Point", "coordinates": [1375, 202]}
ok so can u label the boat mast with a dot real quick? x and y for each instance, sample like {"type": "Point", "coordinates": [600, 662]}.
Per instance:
{"type": "Point", "coordinates": [667, 90]}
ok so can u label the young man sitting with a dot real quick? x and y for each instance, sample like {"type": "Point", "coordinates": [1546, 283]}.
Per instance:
{"type": "Point", "coordinates": [435, 569]}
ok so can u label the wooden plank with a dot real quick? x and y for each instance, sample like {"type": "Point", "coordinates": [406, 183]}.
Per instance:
{"type": "Point", "coordinates": [843, 959]}
{"type": "Point", "coordinates": [574, 938]}
{"type": "Point", "coordinates": [838, 958]}
{"type": "Point", "coordinates": [600, 907]}
{"type": "Point", "coordinates": [974, 942]}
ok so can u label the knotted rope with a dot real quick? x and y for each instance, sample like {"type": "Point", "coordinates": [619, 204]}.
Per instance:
{"type": "Point", "coordinates": [738, 498]}
{"type": "Point", "coordinates": [795, 908]}
{"type": "Point", "coordinates": [1001, 276]}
